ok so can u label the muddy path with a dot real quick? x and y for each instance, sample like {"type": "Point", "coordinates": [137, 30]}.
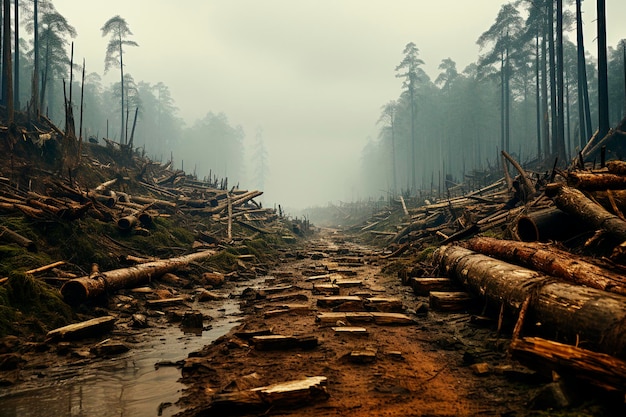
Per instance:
{"type": "Point", "coordinates": [420, 367]}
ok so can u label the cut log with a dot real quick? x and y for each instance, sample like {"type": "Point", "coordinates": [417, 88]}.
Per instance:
{"type": "Point", "coordinates": [89, 328]}
{"type": "Point", "coordinates": [600, 369]}
{"type": "Point", "coordinates": [551, 261]}
{"type": "Point", "coordinates": [596, 181]}
{"type": "Point", "coordinates": [78, 290]}
{"type": "Point", "coordinates": [257, 401]}
{"type": "Point", "coordinates": [423, 286]}
{"type": "Point", "coordinates": [576, 204]}
{"type": "Point", "coordinates": [567, 311]}
{"type": "Point", "coordinates": [450, 300]}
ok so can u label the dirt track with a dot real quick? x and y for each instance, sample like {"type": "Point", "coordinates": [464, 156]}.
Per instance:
{"type": "Point", "coordinates": [420, 369]}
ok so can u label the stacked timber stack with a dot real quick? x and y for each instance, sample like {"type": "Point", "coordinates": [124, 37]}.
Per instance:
{"type": "Point", "coordinates": [561, 273]}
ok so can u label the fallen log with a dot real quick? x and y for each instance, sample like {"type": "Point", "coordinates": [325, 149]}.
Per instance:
{"type": "Point", "coordinates": [599, 369]}
{"type": "Point", "coordinates": [570, 312]}
{"type": "Point", "coordinates": [551, 261]}
{"type": "Point", "coordinates": [80, 289]}
{"type": "Point", "coordinates": [575, 203]}
{"type": "Point", "coordinates": [596, 181]}
{"type": "Point", "coordinates": [14, 237]}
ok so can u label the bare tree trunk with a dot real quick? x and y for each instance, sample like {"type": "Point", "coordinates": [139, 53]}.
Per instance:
{"type": "Point", "coordinates": [16, 88]}
{"type": "Point", "coordinates": [7, 68]}
{"type": "Point", "coordinates": [603, 88]}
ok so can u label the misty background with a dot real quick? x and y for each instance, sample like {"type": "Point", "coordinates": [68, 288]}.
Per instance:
{"type": "Point", "coordinates": [292, 97]}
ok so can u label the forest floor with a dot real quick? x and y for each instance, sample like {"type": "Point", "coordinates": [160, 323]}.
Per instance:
{"type": "Point", "coordinates": [430, 366]}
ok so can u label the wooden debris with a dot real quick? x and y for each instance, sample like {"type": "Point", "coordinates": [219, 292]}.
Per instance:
{"type": "Point", "coordinates": [291, 394]}
{"type": "Point", "coordinates": [362, 356]}
{"type": "Point", "coordinates": [423, 286]}
{"type": "Point", "coordinates": [570, 311]}
{"type": "Point", "coordinates": [78, 290]}
{"type": "Point", "coordinates": [89, 328]}
{"type": "Point", "coordinates": [450, 300]}
{"type": "Point", "coordinates": [350, 330]}
{"type": "Point", "coordinates": [551, 261]}
{"type": "Point", "coordinates": [364, 317]}
{"type": "Point", "coordinates": [334, 301]}
{"type": "Point", "coordinates": [281, 342]}
{"type": "Point", "coordinates": [165, 301]}
{"type": "Point", "coordinates": [600, 369]}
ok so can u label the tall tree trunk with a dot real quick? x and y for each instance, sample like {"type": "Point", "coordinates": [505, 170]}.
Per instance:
{"type": "Point", "coordinates": [413, 163]}
{"type": "Point", "coordinates": [393, 153]}
{"type": "Point", "coordinates": [544, 91]}
{"type": "Point", "coordinates": [538, 95]}
{"type": "Point", "coordinates": [603, 87]}
{"type": "Point", "coordinates": [552, 55]}
{"type": "Point", "coordinates": [560, 137]}
{"type": "Point", "coordinates": [123, 128]}
{"type": "Point", "coordinates": [582, 74]}
{"type": "Point", "coordinates": [502, 129]}
{"type": "Point", "coordinates": [35, 93]}
{"type": "Point", "coordinates": [507, 100]}
{"type": "Point", "coordinates": [16, 88]}
{"type": "Point", "coordinates": [7, 68]}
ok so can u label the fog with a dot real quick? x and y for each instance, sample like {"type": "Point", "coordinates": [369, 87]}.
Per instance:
{"type": "Point", "coordinates": [313, 75]}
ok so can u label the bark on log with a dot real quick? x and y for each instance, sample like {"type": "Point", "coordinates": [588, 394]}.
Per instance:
{"type": "Point", "coordinates": [551, 261]}
{"type": "Point", "coordinates": [571, 312]}
{"type": "Point", "coordinates": [78, 290]}
{"type": "Point", "coordinates": [575, 203]}
{"type": "Point", "coordinates": [596, 181]}
{"type": "Point", "coordinates": [599, 369]}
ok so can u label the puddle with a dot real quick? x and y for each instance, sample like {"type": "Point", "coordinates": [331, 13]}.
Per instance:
{"type": "Point", "coordinates": [126, 385]}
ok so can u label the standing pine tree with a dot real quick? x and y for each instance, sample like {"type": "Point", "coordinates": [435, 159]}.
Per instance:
{"type": "Point", "coordinates": [118, 29]}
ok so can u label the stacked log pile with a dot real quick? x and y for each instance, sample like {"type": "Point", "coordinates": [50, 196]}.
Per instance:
{"type": "Point", "coordinates": [546, 251]}
{"type": "Point", "coordinates": [569, 291]}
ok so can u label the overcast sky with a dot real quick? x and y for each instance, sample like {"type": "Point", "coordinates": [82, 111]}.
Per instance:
{"type": "Point", "coordinates": [312, 73]}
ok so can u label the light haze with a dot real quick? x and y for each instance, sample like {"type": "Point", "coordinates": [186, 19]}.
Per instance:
{"type": "Point", "coordinates": [313, 74]}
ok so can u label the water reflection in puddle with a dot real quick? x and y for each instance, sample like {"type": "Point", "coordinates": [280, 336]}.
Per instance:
{"type": "Point", "coordinates": [123, 386]}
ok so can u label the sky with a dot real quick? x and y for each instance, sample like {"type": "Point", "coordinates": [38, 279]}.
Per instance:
{"type": "Point", "coordinates": [313, 74]}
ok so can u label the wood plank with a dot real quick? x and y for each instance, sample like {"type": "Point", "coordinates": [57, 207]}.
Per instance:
{"type": "Point", "coordinates": [282, 342]}
{"type": "Point", "coordinates": [89, 328]}
{"type": "Point", "coordinates": [334, 301]}
{"type": "Point", "coordinates": [288, 308]}
{"type": "Point", "coordinates": [450, 301]}
{"type": "Point", "coordinates": [352, 330]}
{"type": "Point", "coordinates": [165, 301]}
{"type": "Point", "coordinates": [325, 289]}
{"type": "Point", "coordinates": [423, 286]}
{"type": "Point", "coordinates": [385, 304]}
